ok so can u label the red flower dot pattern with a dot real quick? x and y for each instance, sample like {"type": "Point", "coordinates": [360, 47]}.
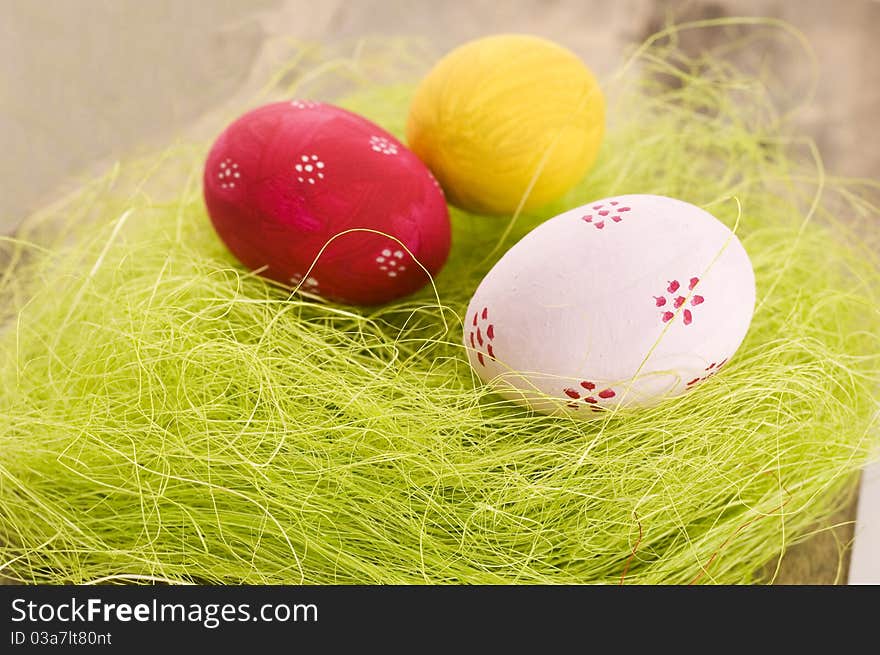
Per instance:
{"type": "Point", "coordinates": [613, 212]}
{"type": "Point", "coordinates": [711, 370]}
{"type": "Point", "coordinates": [481, 334]}
{"type": "Point", "coordinates": [676, 301]}
{"type": "Point", "coordinates": [584, 396]}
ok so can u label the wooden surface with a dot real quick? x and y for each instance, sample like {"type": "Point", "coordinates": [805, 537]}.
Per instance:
{"type": "Point", "coordinates": [85, 81]}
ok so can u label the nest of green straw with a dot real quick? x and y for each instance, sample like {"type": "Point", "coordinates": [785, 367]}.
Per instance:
{"type": "Point", "coordinates": [164, 415]}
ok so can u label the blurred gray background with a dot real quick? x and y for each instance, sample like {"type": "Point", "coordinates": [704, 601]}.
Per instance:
{"type": "Point", "coordinates": [83, 82]}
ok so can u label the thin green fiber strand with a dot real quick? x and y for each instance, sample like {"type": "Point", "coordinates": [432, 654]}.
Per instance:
{"type": "Point", "coordinates": [167, 416]}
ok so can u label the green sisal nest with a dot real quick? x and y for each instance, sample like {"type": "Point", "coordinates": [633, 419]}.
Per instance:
{"type": "Point", "coordinates": [166, 416]}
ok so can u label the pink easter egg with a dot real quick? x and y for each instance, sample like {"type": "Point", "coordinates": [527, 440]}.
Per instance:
{"type": "Point", "coordinates": [313, 195]}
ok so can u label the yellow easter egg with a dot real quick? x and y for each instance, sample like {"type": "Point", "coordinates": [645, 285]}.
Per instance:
{"type": "Point", "coordinates": [507, 120]}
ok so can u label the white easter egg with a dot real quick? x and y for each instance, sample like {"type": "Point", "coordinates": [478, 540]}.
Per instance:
{"type": "Point", "coordinates": [622, 302]}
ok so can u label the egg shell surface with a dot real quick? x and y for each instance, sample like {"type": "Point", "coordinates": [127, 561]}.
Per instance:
{"type": "Point", "coordinates": [622, 302]}
{"type": "Point", "coordinates": [286, 178]}
{"type": "Point", "coordinates": [506, 119]}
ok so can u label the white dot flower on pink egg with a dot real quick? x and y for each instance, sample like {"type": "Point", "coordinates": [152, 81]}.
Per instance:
{"type": "Point", "coordinates": [622, 302]}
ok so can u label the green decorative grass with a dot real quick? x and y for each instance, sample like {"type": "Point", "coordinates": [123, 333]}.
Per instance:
{"type": "Point", "coordinates": [166, 416]}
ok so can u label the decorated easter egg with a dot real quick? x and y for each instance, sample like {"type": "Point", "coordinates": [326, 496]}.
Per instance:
{"type": "Point", "coordinates": [622, 302]}
{"type": "Point", "coordinates": [312, 195]}
{"type": "Point", "coordinates": [505, 120]}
